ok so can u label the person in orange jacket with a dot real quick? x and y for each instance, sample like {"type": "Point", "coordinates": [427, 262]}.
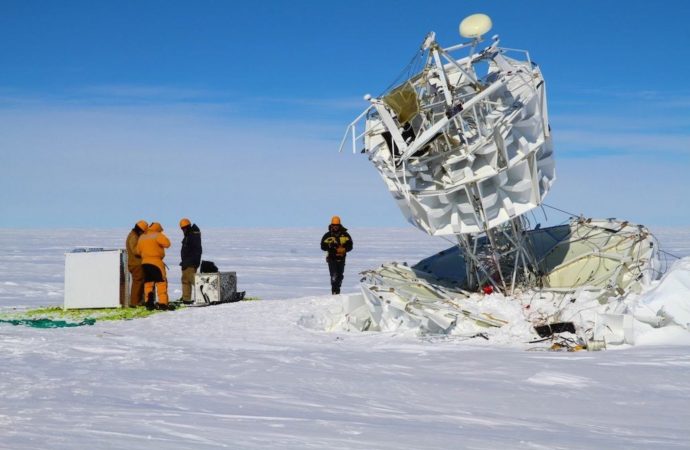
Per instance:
{"type": "Point", "coordinates": [134, 263]}
{"type": "Point", "coordinates": [151, 247]}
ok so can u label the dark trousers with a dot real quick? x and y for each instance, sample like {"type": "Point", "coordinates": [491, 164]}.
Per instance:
{"type": "Point", "coordinates": [137, 295]}
{"type": "Point", "coordinates": [337, 268]}
{"type": "Point", "coordinates": [154, 280]}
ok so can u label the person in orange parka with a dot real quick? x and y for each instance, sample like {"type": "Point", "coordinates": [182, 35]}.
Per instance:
{"type": "Point", "coordinates": [134, 263]}
{"type": "Point", "coordinates": [151, 247]}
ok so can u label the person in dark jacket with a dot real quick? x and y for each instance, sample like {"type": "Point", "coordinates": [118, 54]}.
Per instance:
{"type": "Point", "coordinates": [337, 242]}
{"type": "Point", "coordinates": [191, 257]}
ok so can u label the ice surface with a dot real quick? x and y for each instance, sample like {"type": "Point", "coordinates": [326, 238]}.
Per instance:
{"type": "Point", "coordinates": [263, 374]}
{"type": "Point", "coordinates": [271, 263]}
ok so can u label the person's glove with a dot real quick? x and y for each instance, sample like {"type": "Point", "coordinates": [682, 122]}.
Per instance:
{"type": "Point", "coordinates": [340, 251]}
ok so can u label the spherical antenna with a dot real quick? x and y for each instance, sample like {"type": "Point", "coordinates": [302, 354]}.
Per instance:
{"type": "Point", "coordinates": [475, 26]}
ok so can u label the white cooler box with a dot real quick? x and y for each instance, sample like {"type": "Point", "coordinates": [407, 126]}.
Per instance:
{"type": "Point", "coordinates": [96, 278]}
{"type": "Point", "coordinates": [219, 287]}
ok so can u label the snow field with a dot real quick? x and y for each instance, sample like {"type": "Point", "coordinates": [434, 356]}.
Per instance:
{"type": "Point", "coordinates": [264, 374]}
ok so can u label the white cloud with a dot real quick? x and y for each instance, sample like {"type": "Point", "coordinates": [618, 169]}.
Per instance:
{"type": "Point", "coordinates": [614, 97]}
{"type": "Point", "coordinates": [621, 121]}
{"type": "Point", "coordinates": [142, 95]}
{"type": "Point", "coordinates": [638, 122]}
{"type": "Point", "coordinates": [651, 143]}
{"type": "Point", "coordinates": [99, 165]}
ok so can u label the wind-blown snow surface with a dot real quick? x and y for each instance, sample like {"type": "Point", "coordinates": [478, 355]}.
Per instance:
{"type": "Point", "coordinates": [263, 375]}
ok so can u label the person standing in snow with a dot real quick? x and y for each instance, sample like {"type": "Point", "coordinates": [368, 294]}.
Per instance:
{"type": "Point", "coordinates": [190, 254]}
{"type": "Point", "coordinates": [151, 247]}
{"type": "Point", "coordinates": [136, 296]}
{"type": "Point", "coordinates": [337, 242]}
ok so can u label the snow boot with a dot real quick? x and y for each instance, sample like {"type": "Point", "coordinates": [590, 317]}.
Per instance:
{"type": "Point", "coordinates": [149, 302]}
{"type": "Point", "coordinates": [165, 307]}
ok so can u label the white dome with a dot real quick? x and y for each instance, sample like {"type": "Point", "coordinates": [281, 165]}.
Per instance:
{"type": "Point", "coordinates": [475, 25]}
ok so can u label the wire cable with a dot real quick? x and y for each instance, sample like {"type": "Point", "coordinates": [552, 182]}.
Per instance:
{"type": "Point", "coordinates": [670, 254]}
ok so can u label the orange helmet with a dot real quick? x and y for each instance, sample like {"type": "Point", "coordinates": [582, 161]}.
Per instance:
{"type": "Point", "coordinates": [142, 225]}
{"type": "Point", "coordinates": [335, 220]}
{"type": "Point", "coordinates": [184, 222]}
{"type": "Point", "coordinates": [155, 226]}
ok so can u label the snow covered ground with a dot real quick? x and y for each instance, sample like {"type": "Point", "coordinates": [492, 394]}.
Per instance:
{"type": "Point", "coordinates": [264, 374]}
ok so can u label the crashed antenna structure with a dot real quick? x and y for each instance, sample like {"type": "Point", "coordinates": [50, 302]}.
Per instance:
{"type": "Point", "coordinates": [464, 146]}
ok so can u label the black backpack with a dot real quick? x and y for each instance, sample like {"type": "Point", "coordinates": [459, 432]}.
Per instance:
{"type": "Point", "coordinates": [208, 267]}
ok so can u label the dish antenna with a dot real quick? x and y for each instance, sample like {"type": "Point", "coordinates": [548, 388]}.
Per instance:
{"type": "Point", "coordinates": [475, 26]}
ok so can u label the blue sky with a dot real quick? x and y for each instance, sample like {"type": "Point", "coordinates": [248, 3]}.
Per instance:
{"type": "Point", "coordinates": [231, 114]}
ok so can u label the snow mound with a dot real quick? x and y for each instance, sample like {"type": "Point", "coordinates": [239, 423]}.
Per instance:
{"type": "Point", "coordinates": [668, 301]}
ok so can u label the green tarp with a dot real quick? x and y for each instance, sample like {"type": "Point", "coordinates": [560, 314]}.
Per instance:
{"type": "Point", "coordinates": [47, 323]}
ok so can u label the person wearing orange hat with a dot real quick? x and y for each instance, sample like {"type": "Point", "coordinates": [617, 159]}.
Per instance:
{"type": "Point", "coordinates": [190, 255]}
{"type": "Point", "coordinates": [151, 247]}
{"type": "Point", "coordinates": [136, 296]}
{"type": "Point", "coordinates": [337, 242]}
